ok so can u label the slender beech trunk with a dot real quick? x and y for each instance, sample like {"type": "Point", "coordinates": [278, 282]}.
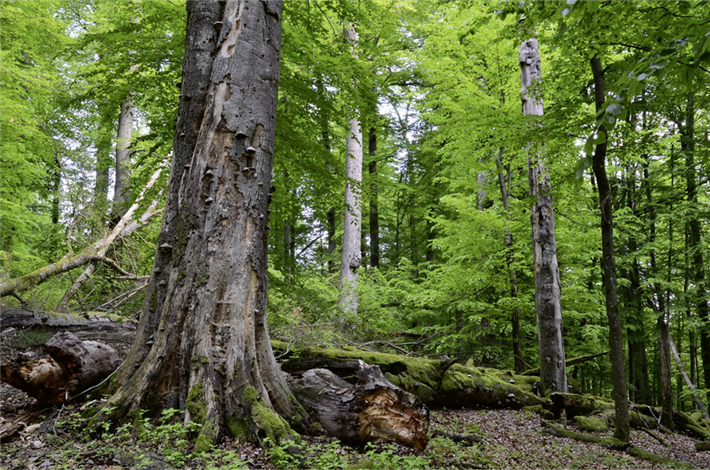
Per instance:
{"type": "Point", "coordinates": [504, 182]}
{"type": "Point", "coordinates": [695, 245]}
{"type": "Point", "coordinates": [121, 193]}
{"type": "Point", "coordinates": [553, 375]}
{"type": "Point", "coordinates": [202, 342]}
{"type": "Point", "coordinates": [616, 337]}
{"type": "Point", "coordinates": [660, 308]}
{"type": "Point", "coordinates": [350, 259]}
{"type": "Point", "coordinates": [374, 215]}
{"type": "Point", "coordinates": [103, 163]}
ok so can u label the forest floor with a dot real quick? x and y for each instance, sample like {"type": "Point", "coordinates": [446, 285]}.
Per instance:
{"type": "Point", "coordinates": [511, 439]}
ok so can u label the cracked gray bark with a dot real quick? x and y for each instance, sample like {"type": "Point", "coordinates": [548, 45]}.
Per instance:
{"type": "Point", "coordinates": [553, 373]}
{"type": "Point", "coordinates": [350, 259]}
{"type": "Point", "coordinates": [202, 343]}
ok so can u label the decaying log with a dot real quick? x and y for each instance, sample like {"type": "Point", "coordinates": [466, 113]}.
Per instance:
{"type": "Point", "coordinates": [87, 325]}
{"type": "Point", "coordinates": [437, 383]}
{"type": "Point", "coordinates": [67, 366]}
{"type": "Point", "coordinates": [371, 410]}
{"type": "Point", "coordinates": [573, 404]}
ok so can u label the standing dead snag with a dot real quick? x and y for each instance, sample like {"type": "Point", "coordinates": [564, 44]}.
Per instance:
{"type": "Point", "coordinates": [553, 373]}
{"type": "Point", "coordinates": [202, 343]}
{"type": "Point", "coordinates": [372, 410]}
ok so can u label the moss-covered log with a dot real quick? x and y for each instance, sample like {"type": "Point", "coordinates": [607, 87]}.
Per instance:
{"type": "Point", "coordinates": [102, 326]}
{"type": "Point", "coordinates": [438, 383]}
{"type": "Point", "coordinates": [572, 404]}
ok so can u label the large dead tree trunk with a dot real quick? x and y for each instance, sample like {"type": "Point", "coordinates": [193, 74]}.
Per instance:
{"type": "Point", "coordinates": [93, 253]}
{"type": "Point", "coordinates": [350, 260]}
{"type": "Point", "coordinates": [553, 374]}
{"type": "Point", "coordinates": [616, 339]}
{"type": "Point", "coordinates": [202, 342]}
{"type": "Point", "coordinates": [67, 367]}
{"type": "Point", "coordinates": [372, 410]}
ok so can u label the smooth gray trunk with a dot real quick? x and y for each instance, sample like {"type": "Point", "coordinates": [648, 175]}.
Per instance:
{"type": "Point", "coordinates": [553, 372]}
{"type": "Point", "coordinates": [351, 258]}
{"type": "Point", "coordinates": [123, 159]}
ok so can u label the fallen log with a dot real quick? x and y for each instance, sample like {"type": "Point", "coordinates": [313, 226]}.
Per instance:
{"type": "Point", "coordinates": [372, 410]}
{"type": "Point", "coordinates": [86, 325]}
{"type": "Point", "coordinates": [437, 383]}
{"type": "Point", "coordinates": [66, 367]}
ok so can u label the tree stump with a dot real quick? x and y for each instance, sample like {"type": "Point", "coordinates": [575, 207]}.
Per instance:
{"type": "Point", "coordinates": [372, 410]}
{"type": "Point", "coordinates": [66, 366]}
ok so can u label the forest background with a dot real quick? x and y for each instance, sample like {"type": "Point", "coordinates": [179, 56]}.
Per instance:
{"type": "Point", "coordinates": [89, 103]}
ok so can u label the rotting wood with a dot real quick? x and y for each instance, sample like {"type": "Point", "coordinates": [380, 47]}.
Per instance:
{"type": "Point", "coordinates": [87, 325]}
{"type": "Point", "coordinates": [371, 410]}
{"type": "Point", "coordinates": [66, 367]}
{"type": "Point", "coordinates": [438, 383]}
{"type": "Point", "coordinates": [548, 309]}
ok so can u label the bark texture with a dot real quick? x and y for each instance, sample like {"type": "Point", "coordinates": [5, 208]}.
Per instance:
{"type": "Point", "coordinates": [68, 366]}
{"type": "Point", "coordinates": [616, 340]}
{"type": "Point", "coordinates": [374, 214]}
{"type": "Point", "coordinates": [553, 373]}
{"type": "Point", "coordinates": [202, 342]}
{"type": "Point", "coordinates": [351, 257]}
{"type": "Point", "coordinates": [372, 410]}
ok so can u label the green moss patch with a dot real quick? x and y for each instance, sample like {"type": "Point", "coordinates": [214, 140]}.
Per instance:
{"type": "Point", "coordinates": [592, 423]}
{"type": "Point", "coordinates": [196, 405]}
{"type": "Point", "coordinates": [273, 425]}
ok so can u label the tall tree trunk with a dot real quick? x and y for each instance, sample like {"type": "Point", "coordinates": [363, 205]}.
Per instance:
{"type": "Point", "coordinates": [616, 337]}
{"type": "Point", "coordinates": [202, 342]}
{"type": "Point", "coordinates": [121, 193]}
{"type": "Point", "coordinates": [660, 308]}
{"type": "Point", "coordinates": [553, 375]}
{"type": "Point", "coordinates": [504, 181]}
{"type": "Point", "coordinates": [103, 163]}
{"type": "Point", "coordinates": [374, 215]}
{"type": "Point", "coordinates": [350, 259]}
{"type": "Point", "coordinates": [695, 245]}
